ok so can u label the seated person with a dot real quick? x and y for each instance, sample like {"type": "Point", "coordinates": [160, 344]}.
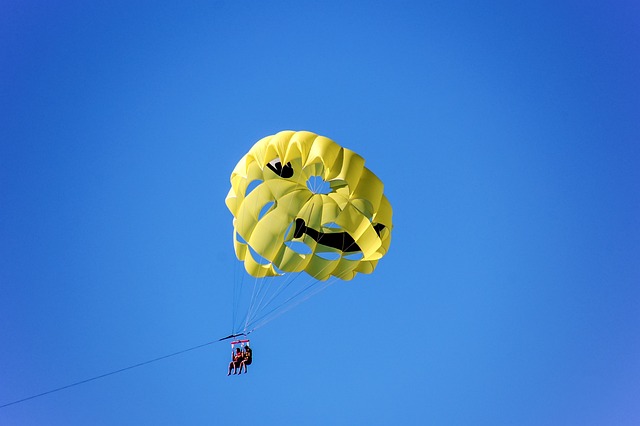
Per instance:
{"type": "Point", "coordinates": [246, 359]}
{"type": "Point", "coordinates": [237, 359]}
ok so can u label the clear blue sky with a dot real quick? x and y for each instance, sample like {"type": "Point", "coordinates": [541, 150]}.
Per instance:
{"type": "Point", "coordinates": [508, 138]}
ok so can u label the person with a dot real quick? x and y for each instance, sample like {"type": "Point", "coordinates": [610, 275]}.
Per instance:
{"type": "Point", "coordinates": [246, 359]}
{"type": "Point", "coordinates": [237, 358]}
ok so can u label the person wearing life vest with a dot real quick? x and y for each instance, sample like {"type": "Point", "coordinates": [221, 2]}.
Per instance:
{"type": "Point", "coordinates": [237, 358]}
{"type": "Point", "coordinates": [247, 358]}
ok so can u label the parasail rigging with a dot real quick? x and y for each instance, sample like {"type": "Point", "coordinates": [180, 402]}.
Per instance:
{"type": "Point", "coordinates": [306, 213]}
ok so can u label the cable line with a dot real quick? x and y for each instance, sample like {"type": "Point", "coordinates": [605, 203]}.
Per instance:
{"type": "Point", "coordinates": [108, 374]}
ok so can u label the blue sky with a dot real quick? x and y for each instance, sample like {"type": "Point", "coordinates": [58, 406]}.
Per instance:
{"type": "Point", "coordinates": [507, 136]}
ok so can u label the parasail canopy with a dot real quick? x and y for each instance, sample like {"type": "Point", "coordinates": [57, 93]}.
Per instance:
{"type": "Point", "coordinates": [303, 203]}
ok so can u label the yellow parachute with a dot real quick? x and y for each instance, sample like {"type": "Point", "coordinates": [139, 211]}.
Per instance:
{"type": "Point", "coordinates": [283, 224]}
{"type": "Point", "coordinates": [304, 209]}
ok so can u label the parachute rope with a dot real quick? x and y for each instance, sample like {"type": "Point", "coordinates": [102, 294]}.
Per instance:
{"type": "Point", "coordinates": [295, 299]}
{"type": "Point", "coordinates": [291, 302]}
{"type": "Point", "coordinates": [282, 287]}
